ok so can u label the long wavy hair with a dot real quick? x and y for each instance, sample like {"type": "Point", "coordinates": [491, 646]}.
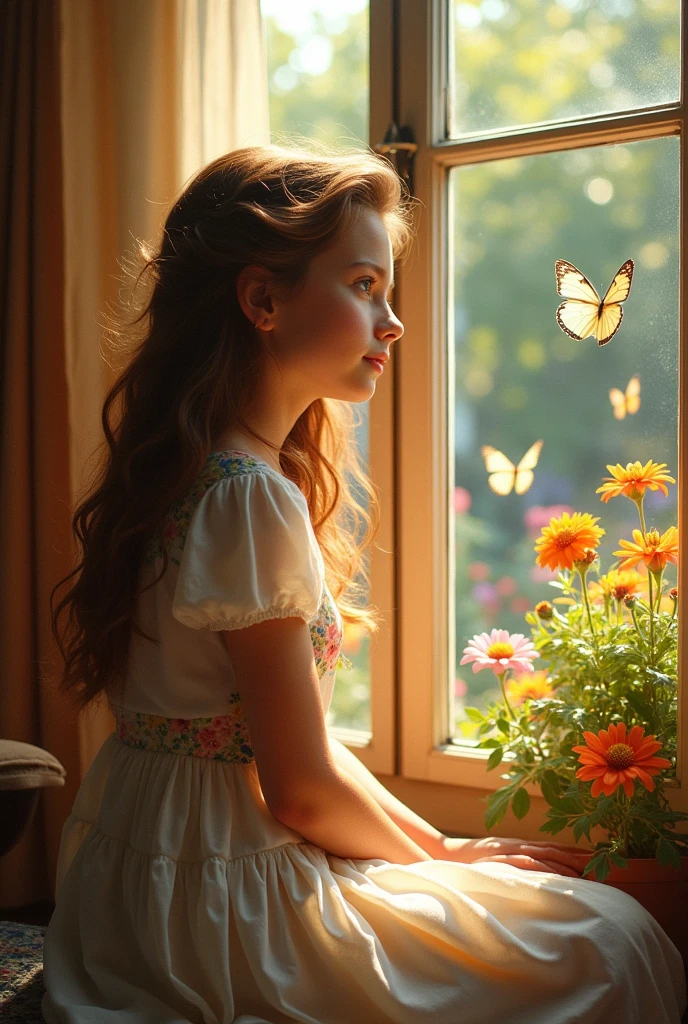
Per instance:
{"type": "Point", "coordinates": [190, 364]}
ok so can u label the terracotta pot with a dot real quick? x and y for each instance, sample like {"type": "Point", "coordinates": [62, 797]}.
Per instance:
{"type": "Point", "coordinates": [662, 891]}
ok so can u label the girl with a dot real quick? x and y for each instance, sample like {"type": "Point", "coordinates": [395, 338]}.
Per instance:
{"type": "Point", "coordinates": [225, 861]}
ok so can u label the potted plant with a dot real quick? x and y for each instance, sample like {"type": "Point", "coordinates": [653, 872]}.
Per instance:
{"type": "Point", "coordinates": [595, 729]}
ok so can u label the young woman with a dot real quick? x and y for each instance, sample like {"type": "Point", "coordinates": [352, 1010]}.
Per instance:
{"type": "Point", "coordinates": [225, 861]}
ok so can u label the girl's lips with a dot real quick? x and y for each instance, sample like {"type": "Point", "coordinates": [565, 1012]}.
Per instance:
{"type": "Point", "coordinates": [377, 363]}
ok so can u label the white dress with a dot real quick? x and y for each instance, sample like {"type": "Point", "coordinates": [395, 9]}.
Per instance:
{"type": "Point", "coordinates": [181, 898]}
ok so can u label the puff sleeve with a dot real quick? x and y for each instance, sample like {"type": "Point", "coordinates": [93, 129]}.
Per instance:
{"type": "Point", "coordinates": [250, 554]}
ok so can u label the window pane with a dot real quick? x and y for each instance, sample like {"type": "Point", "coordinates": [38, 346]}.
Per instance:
{"type": "Point", "coordinates": [517, 62]}
{"type": "Point", "coordinates": [318, 70]}
{"type": "Point", "coordinates": [519, 378]}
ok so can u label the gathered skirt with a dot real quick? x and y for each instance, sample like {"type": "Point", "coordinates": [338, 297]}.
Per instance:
{"type": "Point", "coordinates": [181, 898]}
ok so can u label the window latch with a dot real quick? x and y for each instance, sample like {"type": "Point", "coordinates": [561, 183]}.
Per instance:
{"type": "Point", "coordinates": [399, 147]}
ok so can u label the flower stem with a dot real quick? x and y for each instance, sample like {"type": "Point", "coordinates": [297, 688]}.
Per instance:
{"type": "Point", "coordinates": [658, 581]}
{"type": "Point", "coordinates": [652, 616]}
{"type": "Point", "coordinates": [584, 589]}
{"type": "Point", "coordinates": [637, 624]}
{"type": "Point", "coordinates": [639, 504]}
{"type": "Point", "coordinates": [501, 677]}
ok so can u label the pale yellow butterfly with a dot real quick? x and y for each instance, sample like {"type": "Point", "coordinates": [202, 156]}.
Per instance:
{"type": "Point", "coordinates": [628, 402]}
{"type": "Point", "coordinates": [584, 312]}
{"type": "Point", "coordinates": [504, 475]}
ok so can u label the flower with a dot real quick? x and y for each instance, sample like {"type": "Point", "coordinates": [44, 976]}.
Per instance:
{"type": "Point", "coordinates": [614, 759]}
{"type": "Point", "coordinates": [617, 584]}
{"type": "Point", "coordinates": [499, 651]}
{"type": "Point", "coordinates": [634, 479]}
{"type": "Point", "coordinates": [564, 541]}
{"type": "Point", "coordinates": [653, 550]}
{"type": "Point", "coordinates": [534, 687]}
{"type": "Point", "coordinates": [544, 610]}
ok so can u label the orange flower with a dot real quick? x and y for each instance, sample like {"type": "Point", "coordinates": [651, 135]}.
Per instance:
{"type": "Point", "coordinates": [614, 759]}
{"type": "Point", "coordinates": [653, 550]}
{"type": "Point", "coordinates": [617, 584]}
{"type": "Point", "coordinates": [564, 541]}
{"type": "Point", "coordinates": [534, 686]}
{"type": "Point", "coordinates": [634, 479]}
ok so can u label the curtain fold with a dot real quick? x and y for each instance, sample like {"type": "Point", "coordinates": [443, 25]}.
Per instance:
{"type": "Point", "coordinates": [107, 108]}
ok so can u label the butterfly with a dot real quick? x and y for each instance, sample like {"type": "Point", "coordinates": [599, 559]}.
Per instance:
{"type": "Point", "coordinates": [504, 475]}
{"type": "Point", "coordinates": [626, 403]}
{"type": "Point", "coordinates": [583, 312]}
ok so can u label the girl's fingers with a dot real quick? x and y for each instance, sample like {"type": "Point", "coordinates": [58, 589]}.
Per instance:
{"type": "Point", "coordinates": [572, 860]}
{"type": "Point", "coordinates": [527, 863]}
{"type": "Point", "coordinates": [561, 846]}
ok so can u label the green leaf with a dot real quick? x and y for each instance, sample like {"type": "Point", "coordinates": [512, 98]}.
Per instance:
{"type": "Point", "coordinates": [594, 863]}
{"type": "Point", "coordinates": [490, 743]}
{"type": "Point", "coordinates": [667, 854]}
{"type": "Point", "coordinates": [495, 758]}
{"type": "Point", "coordinates": [602, 870]}
{"type": "Point", "coordinates": [599, 864]}
{"type": "Point", "coordinates": [617, 859]}
{"type": "Point", "coordinates": [568, 805]}
{"type": "Point", "coordinates": [639, 705]}
{"type": "Point", "coordinates": [581, 827]}
{"type": "Point", "coordinates": [503, 726]}
{"type": "Point", "coordinates": [520, 804]}
{"type": "Point", "coordinates": [496, 806]}
{"type": "Point", "coordinates": [553, 826]}
{"type": "Point", "coordinates": [474, 714]}
{"type": "Point", "coordinates": [549, 785]}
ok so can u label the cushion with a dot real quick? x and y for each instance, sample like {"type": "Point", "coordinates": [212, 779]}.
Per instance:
{"type": "Point", "coordinates": [24, 766]}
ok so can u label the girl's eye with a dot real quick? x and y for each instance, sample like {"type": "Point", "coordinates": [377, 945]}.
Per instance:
{"type": "Point", "coordinates": [371, 282]}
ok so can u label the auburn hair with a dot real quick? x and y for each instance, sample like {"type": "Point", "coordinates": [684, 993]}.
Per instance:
{"type": "Point", "coordinates": [190, 363]}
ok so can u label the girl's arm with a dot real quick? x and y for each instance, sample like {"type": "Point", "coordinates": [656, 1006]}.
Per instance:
{"type": "Point", "coordinates": [532, 856]}
{"type": "Point", "coordinates": [416, 828]}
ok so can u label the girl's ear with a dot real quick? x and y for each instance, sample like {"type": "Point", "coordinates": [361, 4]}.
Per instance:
{"type": "Point", "coordinates": [254, 292]}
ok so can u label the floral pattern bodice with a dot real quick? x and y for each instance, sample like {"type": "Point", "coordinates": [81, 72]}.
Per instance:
{"type": "Point", "coordinates": [221, 737]}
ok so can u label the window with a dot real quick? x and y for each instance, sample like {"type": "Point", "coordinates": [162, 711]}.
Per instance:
{"type": "Point", "coordinates": [544, 132]}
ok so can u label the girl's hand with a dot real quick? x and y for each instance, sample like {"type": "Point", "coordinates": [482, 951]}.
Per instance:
{"type": "Point", "coordinates": [530, 856]}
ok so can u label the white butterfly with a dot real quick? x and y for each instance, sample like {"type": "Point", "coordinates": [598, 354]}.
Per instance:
{"type": "Point", "coordinates": [584, 313]}
{"type": "Point", "coordinates": [504, 475]}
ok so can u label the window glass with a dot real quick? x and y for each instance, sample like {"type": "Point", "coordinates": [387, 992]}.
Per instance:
{"type": "Point", "coordinates": [520, 379]}
{"type": "Point", "coordinates": [318, 71]}
{"type": "Point", "coordinates": [518, 62]}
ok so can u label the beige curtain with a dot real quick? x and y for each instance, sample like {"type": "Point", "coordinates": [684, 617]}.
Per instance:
{"type": "Point", "coordinates": [151, 90]}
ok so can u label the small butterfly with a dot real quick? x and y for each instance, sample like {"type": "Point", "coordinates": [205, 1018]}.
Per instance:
{"type": "Point", "coordinates": [504, 475]}
{"type": "Point", "coordinates": [626, 403]}
{"type": "Point", "coordinates": [584, 313]}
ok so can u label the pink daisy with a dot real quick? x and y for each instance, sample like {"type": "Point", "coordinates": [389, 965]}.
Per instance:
{"type": "Point", "coordinates": [499, 651]}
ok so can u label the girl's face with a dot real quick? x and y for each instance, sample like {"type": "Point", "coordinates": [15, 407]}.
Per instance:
{"type": "Point", "coordinates": [321, 338]}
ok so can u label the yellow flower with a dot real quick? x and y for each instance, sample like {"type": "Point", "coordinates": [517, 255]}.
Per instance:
{"type": "Point", "coordinates": [564, 541]}
{"type": "Point", "coordinates": [653, 550]}
{"type": "Point", "coordinates": [616, 584]}
{"type": "Point", "coordinates": [534, 686]}
{"type": "Point", "coordinates": [634, 479]}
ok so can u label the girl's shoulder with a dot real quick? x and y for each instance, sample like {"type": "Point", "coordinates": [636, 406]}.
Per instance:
{"type": "Point", "coordinates": [170, 533]}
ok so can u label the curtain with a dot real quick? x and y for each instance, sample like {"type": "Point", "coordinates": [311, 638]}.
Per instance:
{"type": "Point", "coordinates": [107, 108]}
